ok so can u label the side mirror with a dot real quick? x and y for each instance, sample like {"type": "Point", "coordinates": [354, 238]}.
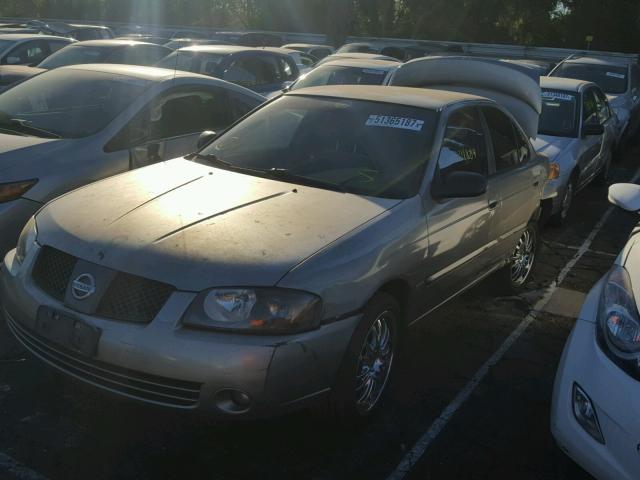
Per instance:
{"type": "Point", "coordinates": [625, 196]}
{"type": "Point", "coordinates": [592, 129]}
{"type": "Point", "coordinates": [205, 138]}
{"type": "Point", "coordinates": [460, 185]}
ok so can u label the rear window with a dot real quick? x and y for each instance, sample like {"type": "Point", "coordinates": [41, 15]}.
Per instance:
{"type": "Point", "coordinates": [609, 78]}
{"type": "Point", "coordinates": [76, 55]}
{"type": "Point", "coordinates": [334, 75]}
{"type": "Point", "coordinates": [559, 116]}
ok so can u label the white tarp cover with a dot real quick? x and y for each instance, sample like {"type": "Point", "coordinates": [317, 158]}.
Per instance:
{"type": "Point", "coordinates": [516, 87]}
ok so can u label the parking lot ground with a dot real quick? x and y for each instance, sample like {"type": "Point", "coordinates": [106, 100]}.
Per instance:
{"type": "Point", "coordinates": [59, 429]}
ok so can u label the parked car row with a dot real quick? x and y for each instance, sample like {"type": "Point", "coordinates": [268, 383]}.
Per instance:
{"type": "Point", "coordinates": [174, 238]}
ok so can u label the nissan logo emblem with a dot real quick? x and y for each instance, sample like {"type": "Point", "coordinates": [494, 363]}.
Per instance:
{"type": "Point", "coordinates": [84, 286]}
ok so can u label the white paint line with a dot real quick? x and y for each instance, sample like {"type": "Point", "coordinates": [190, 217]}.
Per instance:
{"type": "Point", "coordinates": [573, 247]}
{"type": "Point", "coordinates": [420, 447]}
{"type": "Point", "coordinates": [17, 470]}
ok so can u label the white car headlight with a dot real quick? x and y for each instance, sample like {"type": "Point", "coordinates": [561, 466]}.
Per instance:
{"type": "Point", "coordinates": [27, 240]}
{"type": "Point", "coordinates": [255, 310]}
{"type": "Point", "coordinates": [618, 323]}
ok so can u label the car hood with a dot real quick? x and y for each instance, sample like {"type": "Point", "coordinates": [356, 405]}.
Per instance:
{"type": "Point", "coordinates": [197, 227]}
{"type": "Point", "coordinates": [19, 150]}
{"type": "Point", "coordinates": [551, 146]}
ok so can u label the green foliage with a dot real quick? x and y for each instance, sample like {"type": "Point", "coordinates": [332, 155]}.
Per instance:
{"type": "Point", "coordinates": [613, 23]}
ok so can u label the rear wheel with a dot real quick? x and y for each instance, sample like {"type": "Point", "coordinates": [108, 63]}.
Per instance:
{"type": "Point", "coordinates": [522, 262]}
{"type": "Point", "coordinates": [366, 367]}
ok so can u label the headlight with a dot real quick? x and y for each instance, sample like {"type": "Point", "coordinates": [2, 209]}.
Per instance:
{"type": "Point", "coordinates": [255, 310]}
{"type": "Point", "coordinates": [14, 190]}
{"type": "Point", "coordinates": [27, 240]}
{"type": "Point", "coordinates": [618, 323]}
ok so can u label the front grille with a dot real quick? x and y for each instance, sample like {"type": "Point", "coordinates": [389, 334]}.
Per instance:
{"type": "Point", "coordinates": [130, 383]}
{"type": "Point", "coordinates": [133, 299]}
{"type": "Point", "coordinates": [53, 270]}
{"type": "Point", "coordinates": [128, 298]}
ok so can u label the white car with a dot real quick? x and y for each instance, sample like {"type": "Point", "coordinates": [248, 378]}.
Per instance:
{"type": "Point", "coordinates": [595, 412]}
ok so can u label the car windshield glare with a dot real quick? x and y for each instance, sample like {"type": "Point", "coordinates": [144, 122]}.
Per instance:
{"type": "Point", "coordinates": [362, 147]}
{"type": "Point", "coordinates": [71, 103]}
{"type": "Point", "coordinates": [75, 55]}
{"type": "Point", "coordinates": [609, 78]}
{"type": "Point", "coordinates": [559, 114]}
{"type": "Point", "coordinates": [335, 75]}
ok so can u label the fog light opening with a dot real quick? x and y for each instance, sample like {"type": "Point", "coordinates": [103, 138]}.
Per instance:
{"type": "Point", "coordinates": [585, 413]}
{"type": "Point", "coordinates": [233, 401]}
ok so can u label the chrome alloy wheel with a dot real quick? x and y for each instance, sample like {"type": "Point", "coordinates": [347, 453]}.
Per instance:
{"type": "Point", "coordinates": [523, 256]}
{"type": "Point", "coordinates": [374, 363]}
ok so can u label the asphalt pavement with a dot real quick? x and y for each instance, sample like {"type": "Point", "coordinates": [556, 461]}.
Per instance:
{"type": "Point", "coordinates": [462, 404]}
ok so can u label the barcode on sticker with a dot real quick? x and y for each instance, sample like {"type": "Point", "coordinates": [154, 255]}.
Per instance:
{"type": "Point", "coordinates": [557, 96]}
{"type": "Point", "coordinates": [615, 75]}
{"type": "Point", "coordinates": [395, 122]}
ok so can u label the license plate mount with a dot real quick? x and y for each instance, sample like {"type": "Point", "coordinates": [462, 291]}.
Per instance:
{"type": "Point", "coordinates": [66, 331]}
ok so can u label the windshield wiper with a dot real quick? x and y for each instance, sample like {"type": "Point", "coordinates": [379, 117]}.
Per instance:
{"type": "Point", "coordinates": [272, 173]}
{"type": "Point", "coordinates": [286, 176]}
{"type": "Point", "coordinates": [23, 126]}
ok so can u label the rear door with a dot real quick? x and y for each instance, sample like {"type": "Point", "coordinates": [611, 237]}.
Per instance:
{"type": "Point", "coordinates": [514, 186]}
{"type": "Point", "coordinates": [458, 227]}
{"type": "Point", "coordinates": [588, 160]}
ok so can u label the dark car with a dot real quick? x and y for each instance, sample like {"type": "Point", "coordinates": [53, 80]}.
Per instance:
{"type": "Point", "coordinates": [126, 52]}
{"type": "Point", "coordinates": [29, 49]}
{"type": "Point", "coordinates": [262, 71]}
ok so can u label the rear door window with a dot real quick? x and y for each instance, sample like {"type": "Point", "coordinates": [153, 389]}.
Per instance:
{"type": "Point", "coordinates": [464, 146]}
{"type": "Point", "coordinates": [589, 108]}
{"type": "Point", "coordinates": [27, 53]}
{"type": "Point", "coordinates": [603, 105]}
{"type": "Point", "coordinates": [507, 147]}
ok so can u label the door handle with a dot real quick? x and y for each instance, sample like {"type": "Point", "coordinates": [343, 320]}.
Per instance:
{"type": "Point", "coordinates": [493, 204]}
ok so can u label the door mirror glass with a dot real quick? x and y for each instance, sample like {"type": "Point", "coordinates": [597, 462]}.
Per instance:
{"type": "Point", "coordinates": [460, 184]}
{"type": "Point", "coordinates": [206, 138]}
{"type": "Point", "coordinates": [592, 129]}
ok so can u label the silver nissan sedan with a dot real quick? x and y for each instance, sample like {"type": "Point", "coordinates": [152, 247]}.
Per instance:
{"type": "Point", "coordinates": [280, 264]}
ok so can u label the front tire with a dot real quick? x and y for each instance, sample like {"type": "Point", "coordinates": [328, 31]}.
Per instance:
{"type": "Point", "coordinates": [366, 367]}
{"type": "Point", "coordinates": [558, 219]}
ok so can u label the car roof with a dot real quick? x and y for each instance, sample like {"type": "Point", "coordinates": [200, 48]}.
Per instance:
{"type": "Point", "coordinates": [622, 62]}
{"type": "Point", "coordinates": [361, 63]}
{"type": "Point", "coordinates": [32, 36]}
{"type": "Point", "coordinates": [134, 71]}
{"type": "Point", "coordinates": [561, 83]}
{"type": "Point", "coordinates": [219, 49]}
{"type": "Point", "coordinates": [284, 51]}
{"type": "Point", "coordinates": [111, 42]}
{"type": "Point", "coordinates": [306, 45]}
{"type": "Point", "coordinates": [414, 97]}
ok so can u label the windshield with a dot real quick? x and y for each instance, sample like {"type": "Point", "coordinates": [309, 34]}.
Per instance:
{"type": "Point", "coordinates": [361, 147]}
{"type": "Point", "coordinates": [196, 62]}
{"type": "Point", "coordinates": [70, 103]}
{"type": "Point", "coordinates": [75, 55]}
{"type": "Point", "coordinates": [336, 75]}
{"type": "Point", "coordinates": [559, 116]}
{"type": "Point", "coordinates": [610, 79]}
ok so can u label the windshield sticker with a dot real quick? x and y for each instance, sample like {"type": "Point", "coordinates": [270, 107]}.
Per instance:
{"type": "Point", "coordinates": [395, 122]}
{"type": "Point", "coordinates": [373, 72]}
{"type": "Point", "coordinates": [616, 75]}
{"type": "Point", "coordinates": [557, 96]}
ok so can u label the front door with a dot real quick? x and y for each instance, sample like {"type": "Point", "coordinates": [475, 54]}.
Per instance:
{"type": "Point", "coordinates": [458, 227]}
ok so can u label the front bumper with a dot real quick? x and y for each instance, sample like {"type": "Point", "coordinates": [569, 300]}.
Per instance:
{"type": "Point", "coordinates": [552, 196]}
{"type": "Point", "coordinates": [615, 396]}
{"type": "Point", "coordinates": [166, 364]}
{"type": "Point", "coordinates": [13, 217]}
